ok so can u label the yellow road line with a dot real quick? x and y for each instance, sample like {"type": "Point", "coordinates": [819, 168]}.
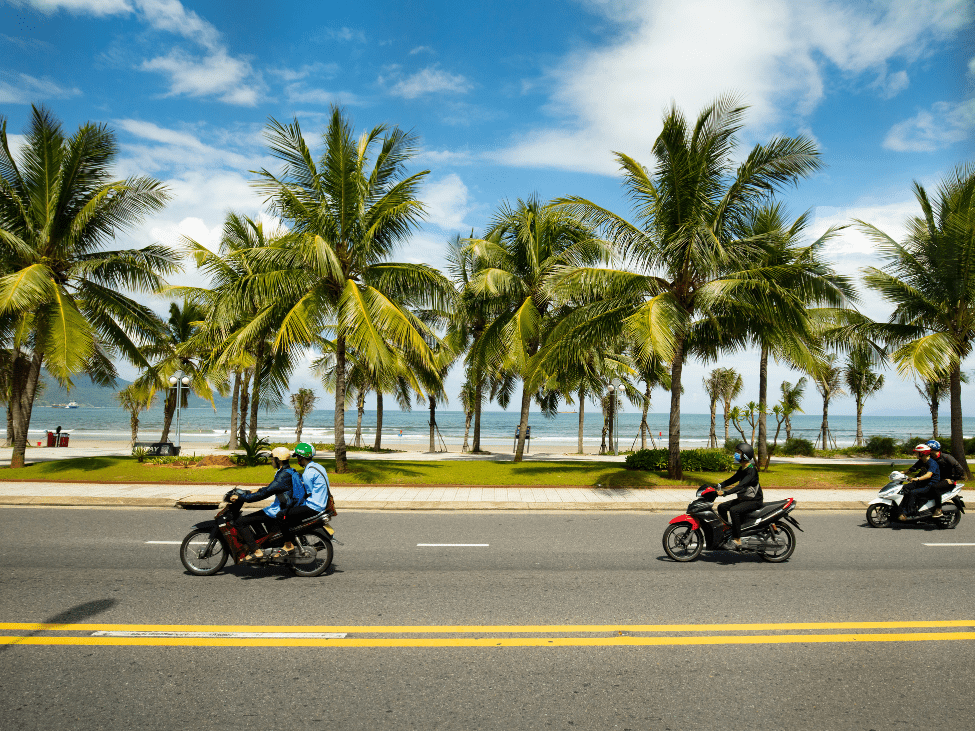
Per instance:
{"type": "Point", "coordinates": [619, 641]}
{"type": "Point", "coordinates": [482, 629]}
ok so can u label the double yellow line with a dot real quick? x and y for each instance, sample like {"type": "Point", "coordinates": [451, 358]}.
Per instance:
{"type": "Point", "coordinates": [612, 635]}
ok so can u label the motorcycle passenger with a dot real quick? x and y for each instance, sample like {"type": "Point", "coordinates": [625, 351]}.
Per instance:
{"type": "Point", "coordinates": [282, 487]}
{"type": "Point", "coordinates": [315, 481]}
{"type": "Point", "coordinates": [930, 475]}
{"type": "Point", "coordinates": [748, 492]}
{"type": "Point", "coordinates": [951, 472]}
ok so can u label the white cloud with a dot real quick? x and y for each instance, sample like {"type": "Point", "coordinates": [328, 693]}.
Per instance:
{"type": "Point", "coordinates": [177, 150]}
{"type": "Point", "coordinates": [894, 84]}
{"type": "Point", "coordinates": [232, 80]}
{"type": "Point", "coordinates": [431, 80]}
{"type": "Point", "coordinates": [446, 202]}
{"type": "Point", "coordinates": [421, 49]}
{"type": "Point", "coordinates": [318, 69]}
{"type": "Point", "coordinates": [300, 94]}
{"type": "Point", "coordinates": [444, 157]}
{"type": "Point", "coordinates": [773, 53]}
{"type": "Point", "coordinates": [79, 7]}
{"type": "Point", "coordinates": [944, 124]}
{"type": "Point", "coordinates": [171, 16]}
{"type": "Point", "coordinates": [25, 89]}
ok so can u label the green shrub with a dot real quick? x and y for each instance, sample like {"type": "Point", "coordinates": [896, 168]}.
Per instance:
{"type": "Point", "coordinates": [969, 446]}
{"type": "Point", "coordinates": [878, 446]}
{"type": "Point", "coordinates": [798, 447]}
{"type": "Point", "coordinates": [692, 460]}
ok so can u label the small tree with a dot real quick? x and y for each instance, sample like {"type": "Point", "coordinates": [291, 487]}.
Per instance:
{"type": "Point", "coordinates": [791, 400]}
{"type": "Point", "coordinates": [732, 385]}
{"type": "Point", "coordinates": [712, 386]}
{"type": "Point", "coordinates": [780, 414]}
{"type": "Point", "coordinates": [303, 402]}
{"type": "Point", "coordinates": [933, 391]}
{"type": "Point", "coordinates": [135, 401]}
{"type": "Point", "coordinates": [829, 385]}
{"type": "Point", "coordinates": [862, 382]}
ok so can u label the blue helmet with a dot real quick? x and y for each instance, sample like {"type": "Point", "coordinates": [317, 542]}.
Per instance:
{"type": "Point", "coordinates": [935, 445]}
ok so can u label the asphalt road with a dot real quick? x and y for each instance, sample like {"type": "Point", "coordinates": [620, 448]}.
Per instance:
{"type": "Point", "coordinates": [562, 621]}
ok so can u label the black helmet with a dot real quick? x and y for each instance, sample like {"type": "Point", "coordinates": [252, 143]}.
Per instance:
{"type": "Point", "coordinates": [746, 449]}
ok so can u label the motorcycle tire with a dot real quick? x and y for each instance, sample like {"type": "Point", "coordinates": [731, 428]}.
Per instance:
{"type": "Point", "coordinates": [323, 545]}
{"type": "Point", "coordinates": [195, 545]}
{"type": "Point", "coordinates": [682, 542]}
{"type": "Point", "coordinates": [878, 516]}
{"type": "Point", "coordinates": [788, 546]}
{"type": "Point", "coordinates": [950, 519]}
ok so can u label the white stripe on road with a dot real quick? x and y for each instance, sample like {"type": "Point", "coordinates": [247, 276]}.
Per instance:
{"type": "Point", "coordinates": [454, 545]}
{"type": "Point", "coordinates": [170, 543]}
{"type": "Point", "coordinates": [232, 635]}
{"type": "Point", "coordinates": [949, 544]}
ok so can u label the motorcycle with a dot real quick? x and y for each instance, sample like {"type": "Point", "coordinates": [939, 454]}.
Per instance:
{"type": "Point", "coordinates": [765, 531]}
{"type": "Point", "coordinates": [209, 544]}
{"type": "Point", "coordinates": [888, 505]}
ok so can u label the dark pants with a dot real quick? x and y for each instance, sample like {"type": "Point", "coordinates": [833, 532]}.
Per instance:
{"type": "Point", "coordinates": [244, 523]}
{"type": "Point", "coordinates": [911, 496]}
{"type": "Point", "coordinates": [294, 518]}
{"type": "Point", "coordinates": [938, 489]}
{"type": "Point", "coordinates": [737, 508]}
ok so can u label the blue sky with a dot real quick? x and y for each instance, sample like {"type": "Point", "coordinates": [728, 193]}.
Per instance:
{"type": "Point", "coordinates": [510, 99]}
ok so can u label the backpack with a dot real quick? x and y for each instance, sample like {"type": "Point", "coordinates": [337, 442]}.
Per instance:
{"type": "Point", "coordinates": [298, 495]}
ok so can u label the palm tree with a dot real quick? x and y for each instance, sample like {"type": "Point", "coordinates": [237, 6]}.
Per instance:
{"type": "Point", "coordinates": [862, 382]}
{"type": "Point", "coordinates": [791, 401]}
{"type": "Point", "coordinates": [347, 211]}
{"type": "Point", "coordinates": [61, 292]}
{"type": "Point", "coordinates": [712, 386]}
{"type": "Point", "coordinates": [691, 266]}
{"type": "Point", "coordinates": [516, 260]}
{"type": "Point", "coordinates": [828, 378]}
{"type": "Point", "coordinates": [135, 401]}
{"type": "Point", "coordinates": [303, 403]}
{"type": "Point", "coordinates": [930, 280]}
{"type": "Point", "coordinates": [933, 391]}
{"type": "Point", "coordinates": [731, 388]}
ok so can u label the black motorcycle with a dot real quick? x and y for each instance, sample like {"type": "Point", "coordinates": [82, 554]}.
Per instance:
{"type": "Point", "coordinates": [764, 531]}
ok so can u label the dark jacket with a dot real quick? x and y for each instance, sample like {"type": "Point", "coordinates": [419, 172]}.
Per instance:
{"type": "Point", "coordinates": [281, 488]}
{"type": "Point", "coordinates": [950, 469]}
{"type": "Point", "coordinates": [747, 479]}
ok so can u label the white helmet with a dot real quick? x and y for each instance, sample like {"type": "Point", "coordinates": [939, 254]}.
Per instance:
{"type": "Point", "coordinates": [897, 476]}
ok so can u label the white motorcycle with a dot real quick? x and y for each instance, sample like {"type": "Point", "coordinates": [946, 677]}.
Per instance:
{"type": "Point", "coordinates": [887, 506]}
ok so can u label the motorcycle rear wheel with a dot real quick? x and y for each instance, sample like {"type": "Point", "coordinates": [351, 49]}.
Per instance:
{"type": "Point", "coordinates": [950, 519]}
{"type": "Point", "coordinates": [787, 546]}
{"type": "Point", "coordinates": [193, 548]}
{"type": "Point", "coordinates": [878, 516]}
{"type": "Point", "coordinates": [322, 561]}
{"type": "Point", "coordinates": [682, 542]}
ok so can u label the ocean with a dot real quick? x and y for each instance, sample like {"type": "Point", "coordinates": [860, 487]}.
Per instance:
{"type": "Point", "coordinates": [203, 425]}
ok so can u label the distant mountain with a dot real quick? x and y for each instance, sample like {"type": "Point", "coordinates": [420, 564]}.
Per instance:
{"type": "Point", "coordinates": [88, 394]}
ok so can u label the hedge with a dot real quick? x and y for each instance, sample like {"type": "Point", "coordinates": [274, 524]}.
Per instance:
{"type": "Point", "coordinates": [692, 460]}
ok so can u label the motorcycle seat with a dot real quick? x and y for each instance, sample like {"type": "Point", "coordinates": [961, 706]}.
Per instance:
{"type": "Point", "coordinates": [766, 509]}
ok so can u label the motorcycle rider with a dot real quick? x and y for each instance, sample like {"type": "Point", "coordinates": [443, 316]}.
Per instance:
{"type": "Point", "coordinates": [951, 472]}
{"type": "Point", "coordinates": [930, 475]}
{"type": "Point", "coordinates": [282, 486]}
{"type": "Point", "coordinates": [748, 492]}
{"type": "Point", "coordinates": [315, 481]}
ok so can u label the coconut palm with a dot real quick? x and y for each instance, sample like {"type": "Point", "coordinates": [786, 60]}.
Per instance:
{"type": "Point", "coordinates": [828, 378]}
{"type": "Point", "coordinates": [347, 211]}
{"type": "Point", "coordinates": [303, 403]}
{"type": "Point", "coordinates": [712, 386]}
{"type": "Point", "coordinates": [690, 267]}
{"type": "Point", "coordinates": [791, 402]}
{"type": "Point", "coordinates": [135, 401]}
{"type": "Point", "coordinates": [930, 280]}
{"type": "Point", "coordinates": [933, 392]}
{"type": "Point", "coordinates": [731, 388]}
{"type": "Point", "coordinates": [61, 292]}
{"type": "Point", "coordinates": [526, 245]}
{"type": "Point", "coordinates": [862, 382]}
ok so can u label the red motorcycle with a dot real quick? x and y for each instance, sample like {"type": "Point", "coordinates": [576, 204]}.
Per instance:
{"type": "Point", "coordinates": [209, 544]}
{"type": "Point", "coordinates": [764, 531]}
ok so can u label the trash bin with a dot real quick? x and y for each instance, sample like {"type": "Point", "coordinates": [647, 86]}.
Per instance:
{"type": "Point", "coordinates": [63, 442]}
{"type": "Point", "coordinates": [50, 439]}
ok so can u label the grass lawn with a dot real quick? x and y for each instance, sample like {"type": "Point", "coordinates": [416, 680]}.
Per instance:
{"type": "Point", "coordinates": [396, 472]}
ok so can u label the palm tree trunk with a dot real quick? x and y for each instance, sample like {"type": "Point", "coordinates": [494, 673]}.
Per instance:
{"type": "Point", "coordinates": [341, 460]}
{"type": "Point", "coordinates": [523, 423]}
{"type": "Point", "coordinates": [26, 375]}
{"type": "Point", "coordinates": [859, 421]}
{"type": "Point", "coordinates": [134, 426]}
{"type": "Point", "coordinates": [957, 436]}
{"type": "Point", "coordinates": [582, 416]}
{"type": "Point", "coordinates": [10, 426]}
{"type": "Point", "coordinates": [674, 469]}
{"type": "Point", "coordinates": [727, 409]}
{"type": "Point", "coordinates": [169, 410]}
{"type": "Point", "coordinates": [762, 450]}
{"type": "Point", "coordinates": [478, 397]}
{"type": "Point", "coordinates": [433, 423]}
{"type": "Point", "coordinates": [933, 405]}
{"type": "Point", "coordinates": [244, 403]}
{"type": "Point", "coordinates": [788, 428]}
{"type": "Point", "coordinates": [824, 427]}
{"type": "Point", "coordinates": [360, 409]}
{"type": "Point", "coordinates": [256, 391]}
{"type": "Point", "coordinates": [379, 421]}
{"type": "Point", "coordinates": [713, 435]}
{"type": "Point", "coordinates": [468, 417]}
{"type": "Point", "coordinates": [644, 427]}
{"type": "Point", "coordinates": [234, 404]}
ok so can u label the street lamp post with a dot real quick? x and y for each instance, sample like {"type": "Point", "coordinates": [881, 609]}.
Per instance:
{"type": "Point", "coordinates": [180, 381]}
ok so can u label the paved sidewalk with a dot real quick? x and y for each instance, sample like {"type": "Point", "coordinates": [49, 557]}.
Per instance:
{"type": "Point", "coordinates": [430, 497]}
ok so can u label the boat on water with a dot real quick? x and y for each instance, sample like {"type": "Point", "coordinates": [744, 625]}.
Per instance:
{"type": "Point", "coordinates": [71, 405]}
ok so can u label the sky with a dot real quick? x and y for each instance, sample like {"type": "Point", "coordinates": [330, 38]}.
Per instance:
{"type": "Point", "coordinates": [511, 99]}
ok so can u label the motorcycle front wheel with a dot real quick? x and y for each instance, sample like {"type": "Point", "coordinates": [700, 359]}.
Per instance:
{"type": "Point", "coordinates": [878, 516]}
{"type": "Point", "coordinates": [323, 559]}
{"type": "Point", "coordinates": [682, 542]}
{"type": "Point", "coordinates": [201, 554]}
{"type": "Point", "coordinates": [785, 541]}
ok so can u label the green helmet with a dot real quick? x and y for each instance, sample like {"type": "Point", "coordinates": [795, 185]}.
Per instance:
{"type": "Point", "coordinates": [304, 449]}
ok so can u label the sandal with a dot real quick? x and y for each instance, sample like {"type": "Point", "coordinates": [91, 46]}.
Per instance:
{"type": "Point", "coordinates": [254, 558]}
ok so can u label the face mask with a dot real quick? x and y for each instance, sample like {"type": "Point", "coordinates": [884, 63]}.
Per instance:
{"type": "Point", "coordinates": [737, 457]}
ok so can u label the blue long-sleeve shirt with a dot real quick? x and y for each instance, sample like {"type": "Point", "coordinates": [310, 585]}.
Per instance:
{"type": "Point", "coordinates": [316, 486]}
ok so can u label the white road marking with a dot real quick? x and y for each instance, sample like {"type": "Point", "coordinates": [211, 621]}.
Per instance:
{"type": "Point", "coordinates": [454, 545]}
{"type": "Point", "coordinates": [232, 635]}
{"type": "Point", "coordinates": [170, 543]}
{"type": "Point", "coordinates": [949, 544]}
